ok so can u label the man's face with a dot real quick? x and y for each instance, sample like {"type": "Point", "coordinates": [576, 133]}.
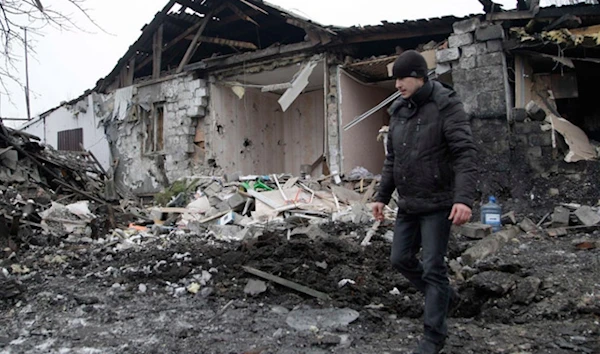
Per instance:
{"type": "Point", "coordinates": [409, 85]}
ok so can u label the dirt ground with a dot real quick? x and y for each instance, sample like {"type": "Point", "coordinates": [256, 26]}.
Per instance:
{"type": "Point", "coordinates": [538, 295]}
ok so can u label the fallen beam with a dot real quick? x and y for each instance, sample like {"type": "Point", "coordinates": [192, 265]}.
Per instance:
{"type": "Point", "coordinates": [488, 246]}
{"type": "Point", "coordinates": [290, 284]}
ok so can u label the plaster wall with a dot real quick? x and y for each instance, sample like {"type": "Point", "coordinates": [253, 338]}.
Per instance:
{"type": "Point", "coordinates": [82, 115]}
{"type": "Point", "coordinates": [359, 144]}
{"type": "Point", "coordinates": [252, 135]}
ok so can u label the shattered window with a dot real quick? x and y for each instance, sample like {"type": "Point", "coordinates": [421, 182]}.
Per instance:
{"type": "Point", "coordinates": [154, 128]}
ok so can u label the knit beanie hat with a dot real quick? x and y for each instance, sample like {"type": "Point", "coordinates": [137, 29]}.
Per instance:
{"type": "Point", "coordinates": [410, 64]}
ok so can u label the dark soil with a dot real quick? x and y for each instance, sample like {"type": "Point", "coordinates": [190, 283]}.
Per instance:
{"type": "Point", "coordinates": [86, 298]}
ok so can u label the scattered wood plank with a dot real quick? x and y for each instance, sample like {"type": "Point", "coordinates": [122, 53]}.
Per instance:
{"type": "Point", "coordinates": [290, 183]}
{"type": "Point", "coordinates": [369, 193]}
{"type": "Point", "coordinates": [263, 199]}
{"type": "Point", "coordinates": [290, 284]}
{"type": "Point", "coordinates": [346, 195]}
{"type": "Point", "coordinates": [221, 311]}
{"type": "Point", "coordinates": [367, 240]}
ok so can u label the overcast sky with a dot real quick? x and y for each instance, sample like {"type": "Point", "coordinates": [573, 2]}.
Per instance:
{"type": "Point", "coordinates": [68, 63]}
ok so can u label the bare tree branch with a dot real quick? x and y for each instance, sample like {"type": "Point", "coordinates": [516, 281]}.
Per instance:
{"type": "Point", "coordinates": [16, 16]}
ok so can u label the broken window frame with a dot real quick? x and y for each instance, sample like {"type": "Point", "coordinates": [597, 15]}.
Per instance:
{"type": "Point", "coordinates": [153, 139]}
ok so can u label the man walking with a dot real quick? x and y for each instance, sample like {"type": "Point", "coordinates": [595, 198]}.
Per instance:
{"type": "Point", "coordinates": [431, 163]}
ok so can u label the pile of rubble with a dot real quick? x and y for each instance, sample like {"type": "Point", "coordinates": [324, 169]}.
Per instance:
{"type": "Point", "coordinates": [49, 193]}
{"type": "Point", "coordinates": [236, 207]}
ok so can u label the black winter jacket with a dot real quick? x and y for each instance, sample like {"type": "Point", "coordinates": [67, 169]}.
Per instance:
{"type": "Point", "coordinates": [431, 153]}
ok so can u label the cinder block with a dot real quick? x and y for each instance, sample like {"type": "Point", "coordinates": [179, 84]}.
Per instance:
{"type": "Point", "coordinates": [474, 49]}
{"type": "Point", "coordinates": [237, 202]}
{"type": "Point", "coordinates": [467, 63]}
{"type": "Point", "coordinates": [460, 40]}
{"type": "Point", "coordinates": [487, 33]}
{"type": "Point", "coordinates": [494, 46]}
{"type": "Point", "coordinates": [535, 151]}
{"type": "Point", "coordinates": [541, 139]}
{"type": "Point", "coordinates": [560, 217]}
{"type": "Point", "coordinates": [490, 59]}
{"type": "Point", "coordinates": [519, 114]}
{"type": "Point", "coordinates": [446, 55]}
{"type": "Point", "coordinates": [201, 92]}
{"type": "Point", "coordinates": [466, 26]}
{"type": "Point", "coordinates": [476, 230]}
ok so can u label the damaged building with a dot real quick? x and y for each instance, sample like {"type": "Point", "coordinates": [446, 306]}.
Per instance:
{"type": "Point", "coordinates": [213, 87]}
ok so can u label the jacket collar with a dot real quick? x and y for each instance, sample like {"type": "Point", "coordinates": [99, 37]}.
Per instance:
{"type": "Point", "coordinates": [422, 94]}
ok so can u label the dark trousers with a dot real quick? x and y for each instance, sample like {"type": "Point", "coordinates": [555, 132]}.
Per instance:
{"type": "Point", "coordinates": [429, 232]}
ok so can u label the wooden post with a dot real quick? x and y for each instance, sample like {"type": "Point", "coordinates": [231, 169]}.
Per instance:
{"type": "Point", "coordinates": [195, 41]}
{"type": "Point", "coordinates": [157, 52]}
{"type": "Point", "coordinates": [130, 72]}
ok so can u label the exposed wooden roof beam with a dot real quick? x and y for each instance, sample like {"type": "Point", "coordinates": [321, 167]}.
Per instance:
{"type": "Point", "coordinates": [241, 13]}
{"type": "Point", "coordinates": [147, 33]}
{"type": "Point", "coordinates": [195, 41]}
{"type": "Point", "coordinates": [224, 41]}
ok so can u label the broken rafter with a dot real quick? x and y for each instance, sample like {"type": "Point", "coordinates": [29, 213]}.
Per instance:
{"type": "Point", "coordinates": [254, 7]}
{"type": "Point", "coordinates": [241, 14]}
{"type": "Point", "coordinates": [195, 41]}
{"type": "Point", "coordinates": [223, 41]}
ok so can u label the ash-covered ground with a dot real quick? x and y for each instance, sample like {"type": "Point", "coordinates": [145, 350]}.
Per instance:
{"type": "Point", "coordinates": [182, 293]}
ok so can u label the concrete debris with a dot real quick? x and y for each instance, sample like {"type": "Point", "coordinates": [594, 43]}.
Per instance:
{"type": "Point", "coordinates": [321, 319]}
{"type": "Point", "coordinates": [476, 230]}
{"type": "Point", "coordinates": [526, 290]}
{"type": "Point", "coordinates": [497, 283]}
{"type": "Point", "coordinates": [488, 246]}
{"type": "Point", "coordinates": [560, 217]}
{"type": "Point", "coordinates": [255, 287]}
{"type": "Point", "coordinates": [588, 215]}
{"type": "Point", "coordinates": [527, 225]}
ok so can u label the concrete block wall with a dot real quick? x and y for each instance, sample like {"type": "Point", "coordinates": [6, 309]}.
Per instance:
{"type": "Point", "coordinates": [534, 145]}
{"type": "Point", "coordinates": [185, 100]}
{"type": "Point", "coordinates": [477, 60]}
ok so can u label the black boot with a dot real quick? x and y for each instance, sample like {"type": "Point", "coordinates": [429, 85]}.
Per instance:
{"type": "Point", "coordinates": [427, 346]}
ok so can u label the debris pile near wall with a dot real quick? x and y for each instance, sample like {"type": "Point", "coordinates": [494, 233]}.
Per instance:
{"type": "Point", "coordinates": [235, 207]}
{"type": "Point", "coordinates": [50, 190]}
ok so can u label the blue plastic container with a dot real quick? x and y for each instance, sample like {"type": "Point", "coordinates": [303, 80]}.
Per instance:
{"type": "Point", "coordinates": [491, 214]}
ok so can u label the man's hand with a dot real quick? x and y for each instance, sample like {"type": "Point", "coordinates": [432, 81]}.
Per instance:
{"type": "Point", "coordinates": [459, 215]}
{"type": "Point", "coordinates": [378, 211]}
